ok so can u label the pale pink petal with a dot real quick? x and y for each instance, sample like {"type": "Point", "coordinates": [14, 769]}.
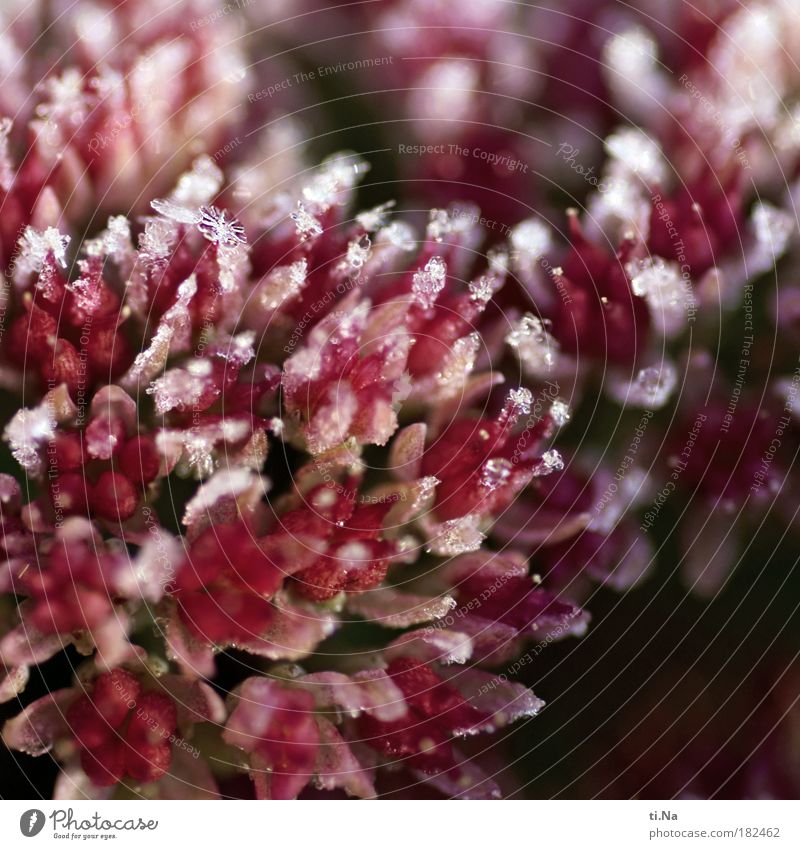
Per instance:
{"type": "Point", "coordinates": [432, 644]}
{"type": "Point", "coordinates": [337, 766]}
{"type": "Point", "coordinates": [393, 609]}
{"type": "Point", "coordinates": [189, 777]}
{"type": "Point", "coordinates": [406, 453]}
{"type": "Point", "coordinates": [41, 724]}
{"type": "Point", "coordinates": [371, 692]}
{"type": "Point", "coordinates": [14, 682]}
{"type": "Point", "coordinates": [193, 657]}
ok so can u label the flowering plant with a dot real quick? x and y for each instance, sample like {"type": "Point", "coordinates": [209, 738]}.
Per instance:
{"type": "Point", "coordinates": [301, 485]}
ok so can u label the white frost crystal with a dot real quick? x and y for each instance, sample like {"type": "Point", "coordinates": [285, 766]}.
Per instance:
{"type": "Point", "coordinates": [428, 283]}
{"type": "Point", "coordinates": [637, 153]}
{"type": "Point", "coordinates": [333, 180]}
{"type": "Point", "coordinates": [560, 413]}
{"type": "Point", "coordinates": [530, 240]}
{"type": "Point", "coordinates": [458, 366]}
{"type": "Point", "coordinates": [551, 461]}
{"type": "Point", "coordinates": [534, 346]}
{"type": "Point", "coordinates": [495, 473]}
{"type": "Point", "coordinates": [6, 166]}
{"type": "Point", "coordinates": [667, 292]}
{"type": "Point", "coordinates": [631, 68]}
{"type": "Point", "coordinates": [455, 221]}
{"type": "Point", "coordinates": [27, 432]}
{"type": "Point", "coordinates": [226, 492]}
{"type": "Point", "coordinates": [170, 337]}
{"type": "Point", "coordinates": [282, 284]}
{"type": "Point", "coordinates": [200, 185]}
{"type": "Point", "coordinates": [375, 218]}
{"type": "Point", "coordinates": [651, 388]}
{"type": "Point", "coordinates": [519, 402]}
{"type": "Point", "coordinates": [773, 229]}
{"type": "Point", "coordinates": [358, 253]}
{"type": "Point", "coordinates": [35, 246]}
{"type": "Point", "coordinates": [457, 536]}
{"type": "Point", "coordinates": [218, 227]}
{"type": "Point", "coordinates": [114, 242]}
{"type": "Point", "coordinates": [308, 227]}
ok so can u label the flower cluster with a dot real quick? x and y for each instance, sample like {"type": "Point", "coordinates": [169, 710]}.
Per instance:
{"type": "Point", "coordinates": [254, 424]}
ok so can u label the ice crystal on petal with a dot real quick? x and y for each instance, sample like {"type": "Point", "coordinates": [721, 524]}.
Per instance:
{"type": "Point", "coordinates": [496, 472]}
{"type": "Point", "coordinates": [432, 644]}
{"type": "Point", "coordinates": [114, 242]}
{"type": "Point", "coordinates": [398, 234]}
{"type": "Point", "coordinates": [560, 413]}
{"type": "Point", "coordinates": [199, 186]}
{"type": "Point", "coordinates": [375, 218]}
{"type": "Point", "coordinates": [334, 178]}
{"type": "Point", "coordinates": [87, 288]}
{"type": "Point", "coordinates": [221, 498]}
{"type": "Point", "coordinates": [631, 68]}
{"type": "Point", "coordinates": [518, 402]}
{"type": "Point", "coordinates": [233, 265]}
{"type": "Point", "coordinates": [358, 252]}
{"type": "Point", "coordinates": [530, 240]}
{"type": "Point", "coordinates": [667, 292]}
{"type": "Point", "coordinates": [451, 222]}
{"type": "Point", "coordinates": [27, 432]}
{"type": "Point", "coordinates": [637, 152]}
{"type": "Point", "coordinates": [632, 54]}
{"type": "Point", "coordinates": [35, 246]}
{"type": "Point", "coordinates": [218, 227]}
{"type": "Point", "coordinates": [394, 609]}
{"type": "Point", "coordinates": [66, 106]}
{"type": "Point", "coordinates": [176, 212]}
{"type": "Point", "coordinates": [157, 240]}
{"type": "Point", "coordinates": [282, 284]}
{"type": "Point", "coordinates": [482, 289]}
{"type": "Point", "coordinates": [447, 87]}
{"type": "Point", "coordinates": [457, 536]}
{"type": "Point", "coordinates": [458, 366]}
{"type": "Point", "coordinates": [551, 461]}
{"type": "Point", "coordinates": [651, 388]}
{"type": "Point", "coordinates": [173, 327]}
{"type": "Point", "coordinates": [6, 167]}
{"type": "Point", "coordinates": [308, 227]}
{"type": "Point", "coordinates": [239, 350]}
{"type": "Point", "coordinates": [623, 206]}
{"type": "Point", "coordinates": [533, 345]}
{"type": "Point", "coordinates": [773, 228]}
{"type": "Point", "coordinates": [176, 388]}
{"type": "Point", "coordinates": [428, 283]}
